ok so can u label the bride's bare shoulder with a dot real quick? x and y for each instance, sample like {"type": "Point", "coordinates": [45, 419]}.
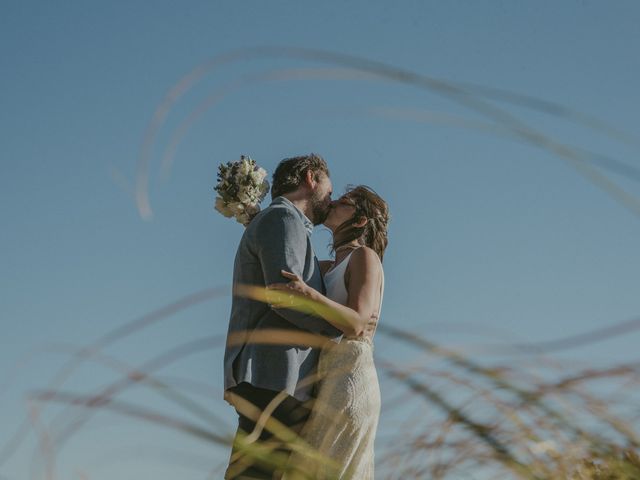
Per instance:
{"type": "Point", "coordinates": [366, 258]}
{"type": "Point", "coordinates": [364, 266]}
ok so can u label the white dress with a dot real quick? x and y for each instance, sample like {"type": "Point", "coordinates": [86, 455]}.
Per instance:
{"type": "Point", "coordinates": [343, 422]}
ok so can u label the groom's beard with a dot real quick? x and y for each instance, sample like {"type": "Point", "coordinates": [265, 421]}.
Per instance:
{"type": "Point", "coordinates": [319, 211]}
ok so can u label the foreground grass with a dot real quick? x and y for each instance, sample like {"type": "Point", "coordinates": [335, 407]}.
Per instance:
{"type": "Point", "coordinates": [458, 418]}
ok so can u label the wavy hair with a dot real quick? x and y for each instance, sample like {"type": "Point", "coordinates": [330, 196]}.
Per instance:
{"type": "Point", "coordinates": [373, 233]}
{"type": "Point", "coordinates": [291, 172]}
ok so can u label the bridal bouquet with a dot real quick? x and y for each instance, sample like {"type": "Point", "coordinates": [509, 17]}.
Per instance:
{"type": "Point", "coordinates": [242, 185]}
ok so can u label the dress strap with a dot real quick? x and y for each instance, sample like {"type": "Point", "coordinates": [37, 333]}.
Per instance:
{"type": "Point", "coordinates": [344, 261]}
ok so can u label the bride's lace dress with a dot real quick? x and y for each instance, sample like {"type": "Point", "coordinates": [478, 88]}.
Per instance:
{"type": "Point", "coordinates": [343, 422]}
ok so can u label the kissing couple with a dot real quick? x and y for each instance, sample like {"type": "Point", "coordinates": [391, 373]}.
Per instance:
{"type": "Point", "coordinates": [298, 366]}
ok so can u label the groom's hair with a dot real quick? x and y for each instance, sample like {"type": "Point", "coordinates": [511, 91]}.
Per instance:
{"type": "Point", "coordinates": [291, 172]}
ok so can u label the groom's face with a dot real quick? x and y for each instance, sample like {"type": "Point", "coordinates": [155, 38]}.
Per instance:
{"type": "Point", "coordinates": [321, 199]}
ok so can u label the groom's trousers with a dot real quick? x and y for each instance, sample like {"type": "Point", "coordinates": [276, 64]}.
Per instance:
{"type": "Point", "coordinates": [290, 412]}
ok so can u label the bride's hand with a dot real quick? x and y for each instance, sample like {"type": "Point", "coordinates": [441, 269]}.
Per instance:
{"type": "Point", "coordinates": [290, 292]}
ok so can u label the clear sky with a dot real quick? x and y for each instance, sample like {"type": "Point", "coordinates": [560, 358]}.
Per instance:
{"type": "Point", "coordinates": [492, 241]}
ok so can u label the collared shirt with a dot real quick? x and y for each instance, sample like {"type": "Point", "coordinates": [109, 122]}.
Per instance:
{"type": "Point", "coordinates": [308, 224]}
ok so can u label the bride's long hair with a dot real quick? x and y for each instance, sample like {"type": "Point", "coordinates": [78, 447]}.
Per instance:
{"type": "Point", "coordinates": [373, 233]}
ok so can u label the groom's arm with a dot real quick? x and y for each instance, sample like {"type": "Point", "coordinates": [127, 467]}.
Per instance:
{"type": "Point", "coordinates": [282, 245]}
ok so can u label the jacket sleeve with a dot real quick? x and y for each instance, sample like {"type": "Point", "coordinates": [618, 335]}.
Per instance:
{"type": "Point", "coordinates": [282, 245]}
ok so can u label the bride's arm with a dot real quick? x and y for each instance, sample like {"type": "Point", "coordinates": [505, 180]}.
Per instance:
{"type": "Point", "coordinates": [360, 314]}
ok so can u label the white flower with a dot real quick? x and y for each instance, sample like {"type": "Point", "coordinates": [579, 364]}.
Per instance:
{"type": "Point", "coordinates": [257, 176]}
{"type": "Point", "coordinates": [245, 167]}
{"type": "Point", "coordinates": [252, 209]}
{"type": "Point", "coordinates": [243, 218]}
{"type": "Point", "coordinates": [237, 208]}
{"type": "Point", "coordinates": [222, 208]}
{"type": "Point", "coordinates": [244, 196]}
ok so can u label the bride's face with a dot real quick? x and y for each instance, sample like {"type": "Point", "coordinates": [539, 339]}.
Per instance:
{"type": "Point", "coordinates": [340, 211]}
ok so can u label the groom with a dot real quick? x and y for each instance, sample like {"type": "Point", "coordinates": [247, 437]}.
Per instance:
{"type": "Point", "coordinates": [255, 371]}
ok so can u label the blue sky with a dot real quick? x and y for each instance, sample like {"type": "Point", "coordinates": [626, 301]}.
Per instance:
{"type": "Point", "coordinates": [492, 240]}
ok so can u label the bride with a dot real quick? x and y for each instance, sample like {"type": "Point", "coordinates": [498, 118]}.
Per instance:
{"type": "Point", "coordinates": [343, 422]}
